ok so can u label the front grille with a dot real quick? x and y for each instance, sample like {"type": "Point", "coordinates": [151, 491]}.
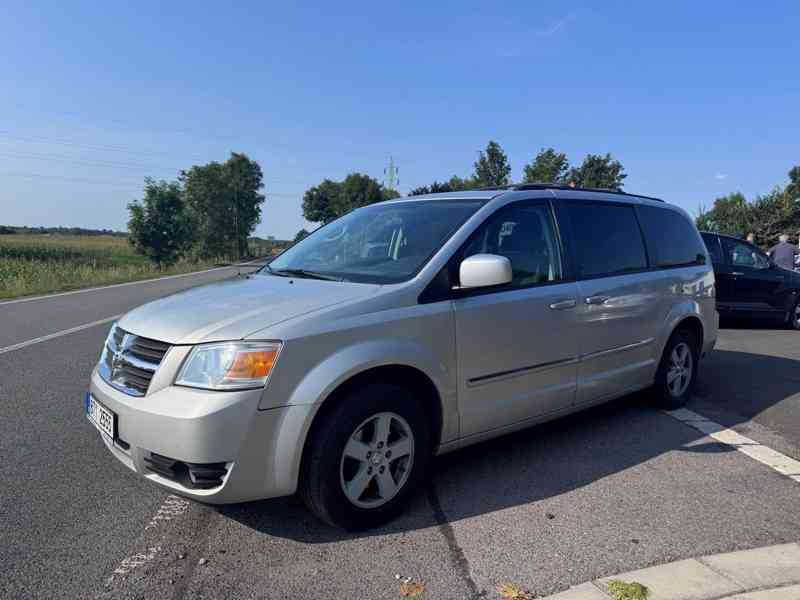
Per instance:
{"type": "Point", "coordinates": [129, 361]}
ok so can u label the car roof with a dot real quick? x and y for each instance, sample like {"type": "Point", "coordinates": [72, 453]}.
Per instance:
{"type": "Point", "coordinates": [487, 194]}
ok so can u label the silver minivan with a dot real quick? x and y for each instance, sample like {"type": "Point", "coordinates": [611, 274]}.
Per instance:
{"type": "Point", "coordinates": [402, 330]}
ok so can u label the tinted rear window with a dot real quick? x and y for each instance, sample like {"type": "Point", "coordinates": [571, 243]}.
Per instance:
{"type": "Point", "coordinates": [607, 239]}
{"type": "Point", "coordinates": [712, 243]}
{"type": "Point", "coordinates": [671, 238]}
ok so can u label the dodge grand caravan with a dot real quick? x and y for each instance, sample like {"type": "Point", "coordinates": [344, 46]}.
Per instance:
{"type": "Point", "coordinates": [402, 330]}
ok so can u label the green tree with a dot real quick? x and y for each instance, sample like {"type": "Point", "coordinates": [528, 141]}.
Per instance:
{"type": "Point", "coordinates": [730, 215]}
{"type": "Point", "coordinates": [302, 234]}
{"type": "Point", "coordinates": [159, 226]}
{"type": "Point", "coordinates": [331, 199]}
{"type": "Point", "coordinates": [226, 201]}
{"type": "Point", "coordinates": [549, 166]}
{"type": "Point", "coordinates": [244, 180]}
{"type": "Point", "coordinates": [793, 189]}
{"type": "Point", "coordinates": [321, 202]}
{"type": "Point", "coordinates": [492, 168]}
{"type": "Point", "coordinates": [434, 188]}
{"type": "Point", "coordinates": [598, 171]}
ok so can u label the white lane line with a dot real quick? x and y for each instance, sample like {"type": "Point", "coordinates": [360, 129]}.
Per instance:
{"type": "Point", "coordinates": [51, 336]}
{"type": "Point", "coordinates": [134, 561]}
{"type": "Point", "coordinates": [116, 285]}
{"type": "Point", "coordinates": [781, 463]}
{"type": "Point", "coordinates": [172, 508]}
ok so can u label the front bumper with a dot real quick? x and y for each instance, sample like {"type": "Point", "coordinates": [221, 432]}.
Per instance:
{"type": "Point", "coordinates": [260, 449]}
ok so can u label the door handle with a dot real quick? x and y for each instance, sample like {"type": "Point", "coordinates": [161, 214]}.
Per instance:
{"type": "Point", "coordinates": [597, 299]}
{"type": "Point", "coordinates": [737, 273]}
{"type": "Point", "coordinates": [563, 304]}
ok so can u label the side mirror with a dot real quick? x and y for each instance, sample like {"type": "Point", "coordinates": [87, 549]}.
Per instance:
{"type": "Point", "coordinates": [484, 270]}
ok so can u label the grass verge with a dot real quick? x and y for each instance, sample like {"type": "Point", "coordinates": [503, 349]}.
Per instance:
{"type": "Point", "coordinates": [40, 264]}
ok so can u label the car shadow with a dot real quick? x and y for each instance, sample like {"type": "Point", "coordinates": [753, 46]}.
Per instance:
{"type": "Point", "coordinates": [547, 460]}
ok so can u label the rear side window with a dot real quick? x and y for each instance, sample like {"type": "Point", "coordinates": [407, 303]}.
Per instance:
{"type": "Point", "coordinates": [712, 243]}
{"type": "Point", "coordinates": [607, 239]}
{"type": "Point", "coordinates": [671, 238]}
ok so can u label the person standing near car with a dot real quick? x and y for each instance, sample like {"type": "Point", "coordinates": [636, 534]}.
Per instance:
{"type": "Point", "coordinates": [751, 237]}
{"type": "Point", "coordinates": [783, 253]}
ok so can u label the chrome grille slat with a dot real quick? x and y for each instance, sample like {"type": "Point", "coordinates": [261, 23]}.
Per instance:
{"type": "Point", "coordinates": [129, 361]}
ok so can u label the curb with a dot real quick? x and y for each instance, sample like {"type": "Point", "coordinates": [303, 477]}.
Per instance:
{"type": "Point", "coordinates": [769, 573]}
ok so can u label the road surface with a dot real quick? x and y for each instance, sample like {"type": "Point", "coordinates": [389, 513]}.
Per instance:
{"type": "Point", "coordinates": [613, 489]}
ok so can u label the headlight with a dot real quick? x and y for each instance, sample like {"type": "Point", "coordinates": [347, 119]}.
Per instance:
{"type": "Point", "coordinates": [229, 365]}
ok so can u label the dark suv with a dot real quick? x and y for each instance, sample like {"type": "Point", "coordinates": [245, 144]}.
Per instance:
{"type": "Point", "coordinates": [749, 284]}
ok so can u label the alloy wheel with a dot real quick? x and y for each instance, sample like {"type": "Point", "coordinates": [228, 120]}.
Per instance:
{"type": "Point", "coordinates": [377, 460]}
{"type": "Point", "coordinates": [679, 374]}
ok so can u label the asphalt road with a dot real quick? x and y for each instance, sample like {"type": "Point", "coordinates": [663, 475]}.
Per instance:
{"type": "Point", "coordinates": [613, 489]}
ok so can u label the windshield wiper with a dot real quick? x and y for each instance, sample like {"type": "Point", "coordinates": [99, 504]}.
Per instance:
{"type": "Point", "coordinates": [306, 274]}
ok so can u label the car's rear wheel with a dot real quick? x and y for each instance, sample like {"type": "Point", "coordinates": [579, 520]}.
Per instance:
{"type": "Point", "coordinates": [677, 371]}
{"type": "Point", "coordinates": [366, 457]}
{"type": "Point", "coordinates": [794, 316]}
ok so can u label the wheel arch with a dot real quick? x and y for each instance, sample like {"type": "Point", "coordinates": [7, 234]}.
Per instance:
{"type": "Point", "coordinates": [356, 366]}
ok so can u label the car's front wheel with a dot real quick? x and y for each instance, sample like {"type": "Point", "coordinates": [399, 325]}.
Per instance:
{"type": "Point", "coordinates": [366, 457]}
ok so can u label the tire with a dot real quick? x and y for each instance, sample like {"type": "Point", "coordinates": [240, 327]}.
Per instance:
{"type": "Point", "coordinates": [677, 371]}
{"type": "Point", "coordinates": [793, 320]}
{"type": "Point", "coordinates": [350, 489]}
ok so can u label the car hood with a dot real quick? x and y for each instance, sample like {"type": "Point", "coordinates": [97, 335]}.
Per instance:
{"type": "Point", "coordinates": [236, 308]}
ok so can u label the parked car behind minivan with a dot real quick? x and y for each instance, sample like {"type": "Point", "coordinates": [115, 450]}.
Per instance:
{"type": "Point", "coordinates": [402, 330]}
{"type": "Point", "coordinates": [750, 284]}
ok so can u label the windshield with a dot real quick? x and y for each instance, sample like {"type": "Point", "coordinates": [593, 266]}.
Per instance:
{"type": "Point", "coordinates": [382, 243]}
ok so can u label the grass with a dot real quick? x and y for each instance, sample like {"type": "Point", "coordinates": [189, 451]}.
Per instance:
{"type": "Point", "coordinates": [33, 264]}
{"type": "Point", "coordinates": [620, 590]}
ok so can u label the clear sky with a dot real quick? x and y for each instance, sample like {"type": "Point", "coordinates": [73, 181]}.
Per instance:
{"type": "Point", "coordinates": [696, 99]}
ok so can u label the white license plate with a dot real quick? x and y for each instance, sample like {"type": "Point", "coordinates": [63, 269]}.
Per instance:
{"type": "Point", "coordinates": [100, 416]}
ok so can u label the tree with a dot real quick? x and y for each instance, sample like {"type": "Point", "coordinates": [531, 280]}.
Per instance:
{"type": "Point", "coordinates": [434, 188]}
{"type": "Point", "coordinates": [302, 234]}
{"type": "Point", "coordinates": [244, 180]}
{"type": "Point", "coordinates": [597, 171]}
{"type": "Point", "coordinates": [331, 199]}
{"type": "Point", "coordinates": [160, 227]}
{"type": "Point", "coordinates": [492, 168]}
{"type": "Point", "coordinates": [730, 215]}
{"type": "Point", "coordinates": [226, 201]}
{"type": "Point", "coordinates": [793, 189]}
{"type": "Point", "coordinates": [549, 166]}
{"type": "Point", "coordinates": [321, 202]}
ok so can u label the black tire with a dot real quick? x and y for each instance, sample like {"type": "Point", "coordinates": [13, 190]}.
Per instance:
{"type": "Point", "coordinates": [664, 390]}
{"type": "Point", "coordinates": [793, 320]}
{"type": "Point", "coordinates": [321, 484]}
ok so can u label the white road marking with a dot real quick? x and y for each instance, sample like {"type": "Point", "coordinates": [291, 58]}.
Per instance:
{"type": "Point", "coordinates": [137, 560]}
{"type": "Point", "coordinates": [116, 285]}
{"type": "Point", "coordinates": [174, 506]}
{"type": "Point", "coordinates": [57, 334]}
{"type": "Point", "coordinates": [781, 463]}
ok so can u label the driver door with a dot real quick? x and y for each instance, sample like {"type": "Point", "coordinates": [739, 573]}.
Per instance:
{"type": "Point", "coordinates": [516, 344]}
{"type": "Point", "coordinates": [757, 283]}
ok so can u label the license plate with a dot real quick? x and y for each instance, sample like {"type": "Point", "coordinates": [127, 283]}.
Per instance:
{"type": "Point", "coordinates": [100, 416]}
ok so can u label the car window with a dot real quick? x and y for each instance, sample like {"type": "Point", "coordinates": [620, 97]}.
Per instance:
{"type": "Point", "coordinates": [671, 238]}
{"type": "Point", "coordinates": [381, 243]}
{"type": "Point", "coordinates": [712, 244]}
{"type": "Point", "coordinates": [607, 239]}
{"type": "Point", "coordinates": [524, 233]}
{"type": "Point", "coordinates": [742, 254]}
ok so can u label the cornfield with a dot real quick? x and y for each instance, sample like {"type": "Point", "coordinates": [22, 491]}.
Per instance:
{"type": "Point", "coordinates": [38, 264]}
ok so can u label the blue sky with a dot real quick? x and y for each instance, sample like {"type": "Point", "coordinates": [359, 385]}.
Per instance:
{"type": "Point", "coordinates": [697, 99]}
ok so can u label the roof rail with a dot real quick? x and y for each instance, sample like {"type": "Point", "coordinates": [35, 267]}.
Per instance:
{"type": "Point", "coordinates": [569, 188]}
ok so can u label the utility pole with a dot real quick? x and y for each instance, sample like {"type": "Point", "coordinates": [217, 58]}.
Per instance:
{"type": "Point", "coordinates": [392, 179]}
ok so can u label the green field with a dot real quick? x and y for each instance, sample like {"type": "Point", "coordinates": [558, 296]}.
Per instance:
{"type": "Point", "coordinates": [38, 264]}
